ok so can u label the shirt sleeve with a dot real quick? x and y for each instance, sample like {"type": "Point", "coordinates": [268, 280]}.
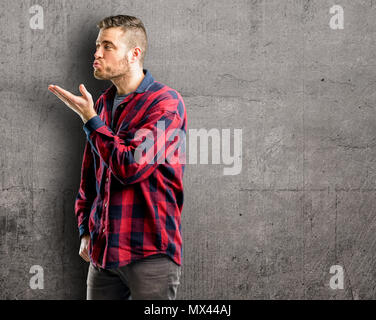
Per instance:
{"type": "Point", "coordinates": [133, 155]}
{"type": "Point", "coordinates": [86, 192]}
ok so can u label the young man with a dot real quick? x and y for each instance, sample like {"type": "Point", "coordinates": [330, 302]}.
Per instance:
{"type": "Point", "coordinates": [128, 208]}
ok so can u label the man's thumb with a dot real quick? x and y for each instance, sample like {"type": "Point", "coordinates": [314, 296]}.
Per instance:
{"type": "Point", "coordinates": [83, 90]}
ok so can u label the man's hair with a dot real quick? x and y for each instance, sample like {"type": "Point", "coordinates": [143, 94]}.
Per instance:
{"type": "Point", "coordinates": [132, 27]}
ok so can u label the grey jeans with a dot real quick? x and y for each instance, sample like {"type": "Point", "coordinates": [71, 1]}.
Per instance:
{"type": "Point", "coordinates": [155, 277]}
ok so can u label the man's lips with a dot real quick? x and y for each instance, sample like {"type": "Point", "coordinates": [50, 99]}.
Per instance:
{"type": "Point", "coordinates": [96, 64]}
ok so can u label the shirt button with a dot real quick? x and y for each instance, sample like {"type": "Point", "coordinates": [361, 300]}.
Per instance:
{"type": "Point", "coordinates": [105, 205]}
{"type": "Point", "coordinates": [103, 230]}
{"type": "Point", "coordinates": [106, 179]}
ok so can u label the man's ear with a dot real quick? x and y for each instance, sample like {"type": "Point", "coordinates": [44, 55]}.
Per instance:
{"type": "Point", "coordinates": [136, 54]}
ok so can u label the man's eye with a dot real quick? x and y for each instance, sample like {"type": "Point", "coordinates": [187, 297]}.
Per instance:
{"type": "Point", "coordinates": [106, 47]}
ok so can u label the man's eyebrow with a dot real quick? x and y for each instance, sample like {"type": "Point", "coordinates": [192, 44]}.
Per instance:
{"type": "Point", "coordinates": [105, 41]}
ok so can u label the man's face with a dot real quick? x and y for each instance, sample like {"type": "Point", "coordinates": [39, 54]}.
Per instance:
{"type": "Point", "coordinates": [111, 55]}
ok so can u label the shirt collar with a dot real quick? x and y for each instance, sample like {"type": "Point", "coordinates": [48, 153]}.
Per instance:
{"type": "Point", "coordinates": [144, 85]}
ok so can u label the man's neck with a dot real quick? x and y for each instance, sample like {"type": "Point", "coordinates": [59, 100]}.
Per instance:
{"type": "Point", "coordinates": [128, 83]}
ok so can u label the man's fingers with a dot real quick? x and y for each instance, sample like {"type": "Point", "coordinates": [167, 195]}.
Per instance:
{"type": "Point", "coordinates": [61, 97]}
{"type": "Point", "coordinates": [66, 94]}
{"type": "Point", "coordinates": [84, 255]}
{"type": "Point", "coordinates": [84, 248]}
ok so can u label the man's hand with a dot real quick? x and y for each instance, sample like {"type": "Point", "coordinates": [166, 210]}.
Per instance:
{"type": "Point", "coordinates": [83, 106]}
{"type": "Point", "coordinates": [83, 248]}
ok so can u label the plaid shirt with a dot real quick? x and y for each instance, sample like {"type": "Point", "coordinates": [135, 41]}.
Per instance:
{"type": "Point", "coordinates": [132, 209]}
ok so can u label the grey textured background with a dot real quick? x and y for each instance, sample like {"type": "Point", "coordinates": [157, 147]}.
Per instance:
{"type": "Point", "coordinates": [304, 95]}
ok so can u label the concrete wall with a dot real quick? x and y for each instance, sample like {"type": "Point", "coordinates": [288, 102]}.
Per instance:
{"type": "Point", "coordinates": [303, 94]}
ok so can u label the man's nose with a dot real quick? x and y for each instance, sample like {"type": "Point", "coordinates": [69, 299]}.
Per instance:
{"type": "Point", "coordinates": [98, 54]}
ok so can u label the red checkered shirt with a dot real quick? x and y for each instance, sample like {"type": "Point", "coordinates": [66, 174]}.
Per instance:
{"type": "Point", "coordinates": [132, 208]}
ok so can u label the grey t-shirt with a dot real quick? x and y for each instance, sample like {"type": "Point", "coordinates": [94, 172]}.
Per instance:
{"type": "Point", "coordinates": [117, 101]}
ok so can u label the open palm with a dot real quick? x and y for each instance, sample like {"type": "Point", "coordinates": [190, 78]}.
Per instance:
{"type": "Point", "coordinates": [82, 105]}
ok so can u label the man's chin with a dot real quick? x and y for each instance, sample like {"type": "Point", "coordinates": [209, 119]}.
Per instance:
{"type": "Point", "coordinates": [99, 76]}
